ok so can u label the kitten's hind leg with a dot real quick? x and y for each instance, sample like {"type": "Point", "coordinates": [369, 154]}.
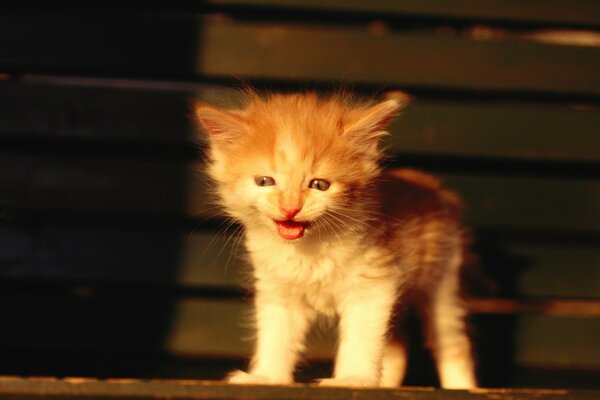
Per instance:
{"type": "Point", "coordinates": [394, 363]}
{"type": "Point", "coordinates": [447, 337]}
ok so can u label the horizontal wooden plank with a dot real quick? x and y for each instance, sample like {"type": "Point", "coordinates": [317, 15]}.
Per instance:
{"type": "Point", "coordinates": [144, 44]}
{"type": "Point", "coordinates": [81, 388]}
{"type": "Point", "coordinates": [113, 185]}
{"type": "Point", "coordinates": [542, 341]}
{"type": "Point", "coordinates": [578, 308]}
{"type": "Point", "coordinates": [169, 256]}
{"type": "Point", "coordinates": [94, 113]}
{"type": "Point", "coordinates": [102, 253]}
{"type": "Point", "coordinates": [120, 186]}
{"type": "Point", "coordinates": [224, 329]}
{"type": "Point", "coordinates": [481, 129]}
{"type": "Point", "coordinates": [509, 201]}
{"type": "Point", "coordinates": [583, 12]}
{"type": "Point", "coordinates": [96, 117]}
{"type": "Point", "coordinates": [147, 323]}
{"type": "Point", "coordinates": [557, 271]}
{"type": "Point", "coordinates": [283, 52]}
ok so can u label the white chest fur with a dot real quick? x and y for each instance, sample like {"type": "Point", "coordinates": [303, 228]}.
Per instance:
{"type": "Point", "coordinates": [319, 273]}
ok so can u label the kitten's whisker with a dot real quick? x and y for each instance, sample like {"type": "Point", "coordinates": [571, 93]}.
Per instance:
{"type": "Point", "coordinates": [229, 236]}
{"type": "Point", "coordinates": [350, 227]}
{"type": "Point", "coordinates": [333, 227]}
{"type": "Point", "coordinates": [238, 236]}
{"type": "Point", "coordinates": [366, 225]}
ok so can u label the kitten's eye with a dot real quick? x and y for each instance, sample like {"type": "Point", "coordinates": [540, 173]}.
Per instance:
{"type": "Point", "coordinates": [264, 181]}
{"type": "Point", "coordinates": [319, 184]}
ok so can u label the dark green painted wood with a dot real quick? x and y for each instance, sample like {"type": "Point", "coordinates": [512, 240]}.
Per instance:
{"type": "Point", "coordinates": [426, 60]}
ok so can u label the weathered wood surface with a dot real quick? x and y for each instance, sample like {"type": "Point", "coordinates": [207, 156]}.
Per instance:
{"type": "Point", "coordinates": [81, 388]}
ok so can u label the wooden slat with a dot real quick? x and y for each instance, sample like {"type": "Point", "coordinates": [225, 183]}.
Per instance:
{"type": "Point", "coordinates": [553, 270]}
{"type": "Point", "coordinates": [542, 341]}
{"type": "Point", "coordinates": [481, 129]}
{"type": "Point", "coordinates": [503, 201]}
{"type": "Point", "coordinates": [121, 186]}
{"type": "Point", "coordinates": [111, 118]}
{"type": "Point", "coordinates": [105, 252]}
{"type": "Point", "coordinates": [579, 308]}
{"type": "Point", "coordinates": [143, 44]}
{"type": "Point", "coordinates": [87, 320]}
{"type": "Point", "coordinates": [113, 185]}
{"type": "Point", "coordinates": [224, 329]}
{"type": "Point", "coordinates": [355, 55]}
{"type": "Point", "coordinates": [93, 252]}
{"type": "Point", "coordinates": [209, 328]}
{"type": "Point", "coordinates": [584, 12]}
{"type": "Point", "coordinates": [94, 114]}
{"type": "Point", "coordinates": [78, 388]}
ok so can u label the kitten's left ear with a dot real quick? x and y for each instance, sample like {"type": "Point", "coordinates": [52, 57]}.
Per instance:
{"type": "Point", "coordinates": [223, 127]}
{"type": "Point", "coordinates": [371, 122]}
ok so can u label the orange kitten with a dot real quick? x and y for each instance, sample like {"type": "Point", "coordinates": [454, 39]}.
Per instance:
{"type": "Point", "coordinates": [330, 233]}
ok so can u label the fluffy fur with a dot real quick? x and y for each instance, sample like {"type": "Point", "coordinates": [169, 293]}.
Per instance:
{"type": "Point", "coordinates": [358, 250]}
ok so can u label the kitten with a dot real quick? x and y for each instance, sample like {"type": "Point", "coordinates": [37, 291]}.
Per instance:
{"type": "Point", "coordinates": [330, 233]}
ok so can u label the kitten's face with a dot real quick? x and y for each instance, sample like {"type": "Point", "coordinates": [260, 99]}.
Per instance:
{"type": "Point", "coordinates": [296, 165]}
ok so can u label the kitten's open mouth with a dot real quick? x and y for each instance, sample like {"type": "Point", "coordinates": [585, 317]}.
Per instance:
{"type": "Point", "coordinates": [290, 230]}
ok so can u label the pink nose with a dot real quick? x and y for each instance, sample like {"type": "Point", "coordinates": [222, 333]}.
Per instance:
{"type": "Point", "coordinates": [290, 212]}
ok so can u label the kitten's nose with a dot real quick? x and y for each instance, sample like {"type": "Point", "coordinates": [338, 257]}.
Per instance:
{"type": "Point", "coordinates": [290, 212]}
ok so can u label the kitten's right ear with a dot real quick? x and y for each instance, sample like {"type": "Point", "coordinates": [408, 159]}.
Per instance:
{"type": "Point", "coordinates": [223, 127]}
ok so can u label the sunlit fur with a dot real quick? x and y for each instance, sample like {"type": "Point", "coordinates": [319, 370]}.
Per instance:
{"type": "Point", "coordinates": [374, 241]}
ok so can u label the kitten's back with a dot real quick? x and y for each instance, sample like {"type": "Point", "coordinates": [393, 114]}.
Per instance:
{"type": "Point", "coordinates": [409, 193]}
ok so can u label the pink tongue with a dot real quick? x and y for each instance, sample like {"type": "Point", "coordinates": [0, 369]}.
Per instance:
{"type": "Point", "coordinates": [290, 230]}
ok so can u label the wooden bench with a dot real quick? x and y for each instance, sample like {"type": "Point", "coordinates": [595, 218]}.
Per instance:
{"type": "Point", "coordinates": [113, 263]}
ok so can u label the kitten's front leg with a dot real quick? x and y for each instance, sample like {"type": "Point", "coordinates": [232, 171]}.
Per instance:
{"type": "Point", "coordinates": [364, 322]}
{"type": "Point", "coordinates": [281, 325]}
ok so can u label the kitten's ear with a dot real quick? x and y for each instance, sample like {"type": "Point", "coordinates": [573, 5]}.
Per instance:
{"type": "Point", "coordinates": [223, 127]}
{"type": "Point", "coordinates": [371, 122]}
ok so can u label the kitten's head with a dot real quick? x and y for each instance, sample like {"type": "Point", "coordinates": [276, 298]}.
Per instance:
{"type": "Point", "coordinates": [298, 164]}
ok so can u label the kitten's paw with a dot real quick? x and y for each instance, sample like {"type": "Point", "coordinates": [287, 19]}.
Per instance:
{"type": "Point", "coordinates": [244, 378]}
{"type": "Point", "coordinates": [349, 381]}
